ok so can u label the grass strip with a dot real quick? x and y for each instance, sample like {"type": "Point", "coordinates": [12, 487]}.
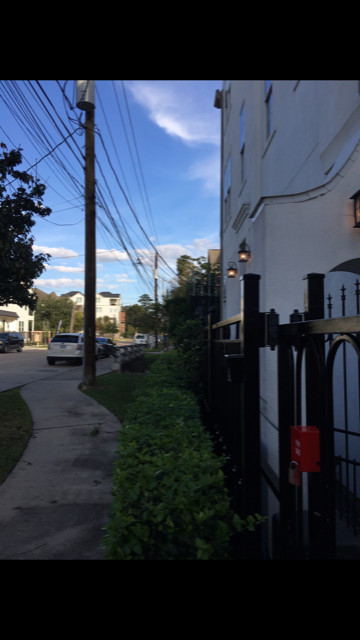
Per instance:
{"type": "Point", "coordinates": [115, 391]}
{"type": "Point", "coordinates": [15, 430]}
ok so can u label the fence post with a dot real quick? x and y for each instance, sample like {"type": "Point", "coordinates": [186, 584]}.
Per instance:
{"type": "Point", "coordinates": [250, 337]}
{"type": "Point", "coordinates": [315, 413]}
{"type": "Point", "coordinates": [209, 361]}
{"type": "Point", "coordinates": [289, 529]}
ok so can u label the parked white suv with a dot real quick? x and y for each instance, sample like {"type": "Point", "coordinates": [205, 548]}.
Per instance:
{"type": "Point", "coordinates": [68, 347]}
{"type": "Point", "coordinates": [141, 338]}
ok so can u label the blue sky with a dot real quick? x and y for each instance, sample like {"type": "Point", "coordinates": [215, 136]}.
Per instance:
{"type": "Point", "coordinates": [157, 148]}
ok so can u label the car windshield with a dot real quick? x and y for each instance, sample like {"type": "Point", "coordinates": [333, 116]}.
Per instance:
{"type": "Point", "coordinates": [140, 337]}
{"type": "Point", "coordinates": [63, 337]}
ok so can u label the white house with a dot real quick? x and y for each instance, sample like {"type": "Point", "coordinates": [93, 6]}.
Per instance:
{"type": "Point", "coordinates": [290, 173]}
{"type": "Point", "coordinates": [15, 318]}
{"type": "Point", "coordinates": [107, 304]}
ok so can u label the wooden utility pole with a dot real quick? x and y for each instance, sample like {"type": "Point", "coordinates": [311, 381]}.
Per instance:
{"type": "Point", "coordinates": [86, 102]}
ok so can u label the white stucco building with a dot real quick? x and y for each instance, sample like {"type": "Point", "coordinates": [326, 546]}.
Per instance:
{"type": "Point", "coordinates": [290, 168]}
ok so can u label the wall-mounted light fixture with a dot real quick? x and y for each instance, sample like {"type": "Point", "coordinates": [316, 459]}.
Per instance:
{"type": "Point", "coordinates": [356, 198]}
{"type": "Point", "coordinates": [244, 252]}
{"type": "Point", "coordinates": [231, 270]}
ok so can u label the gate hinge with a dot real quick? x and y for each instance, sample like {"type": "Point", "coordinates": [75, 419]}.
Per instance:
{"type": "Point", "coordinates": [270, 324]}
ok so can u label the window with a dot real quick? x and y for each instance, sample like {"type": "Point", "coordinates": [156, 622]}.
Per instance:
{"type": "Point", "coordinates": [242, 143]}
{"type": "Point", "coordinates": [21, 325]}
{"type": "Point", "coordinates": [269, 107]}
{"type": "Point", "coordinates": [113, 302]}
{"type": "Point", "coordinates": [65, 337]}
{"type": "Point", "coordinates": [78, 300]}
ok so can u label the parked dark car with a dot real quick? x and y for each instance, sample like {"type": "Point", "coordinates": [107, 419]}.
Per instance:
{"type": "Point", "coordinates": [107, 347]}
{"type": "Point", "coordinates": [11, 341]}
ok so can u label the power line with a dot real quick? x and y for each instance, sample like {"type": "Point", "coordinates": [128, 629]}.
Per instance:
{"type": "Point", "coordinates": [47, 141]}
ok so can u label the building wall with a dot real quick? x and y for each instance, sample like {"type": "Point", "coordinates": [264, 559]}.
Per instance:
{"type": "Point", "coordinates": [291, 200]}
{"type": "Point", "coordinates": [109, 305]}
{"type": "Point", "coordinates": [293, 205]}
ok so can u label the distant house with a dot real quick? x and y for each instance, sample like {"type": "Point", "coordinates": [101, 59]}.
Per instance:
{"type": "Point", "coordinates": [76, 297]}
{"type": "Point", "coordinates": [107, 304]}
{"type": "Point", "coordinates": [15, 318]}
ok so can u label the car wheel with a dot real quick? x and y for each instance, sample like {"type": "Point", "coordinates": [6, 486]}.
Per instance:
{"type": "Point", "coordinates": [5, 349]}
{"type": "Point", "coordinates": [51, 360]}
{"type": "Point", "coordinates": [19, 349]}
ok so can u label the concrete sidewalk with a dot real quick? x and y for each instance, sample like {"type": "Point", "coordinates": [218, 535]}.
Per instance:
{"type": "Point", "coordinates": [55, 503]}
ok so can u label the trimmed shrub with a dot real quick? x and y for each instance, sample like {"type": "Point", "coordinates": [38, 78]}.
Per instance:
{"type": "Point", "coordinates": [190, 344]}
{"type": "Point", "coordinates": [170, 500]}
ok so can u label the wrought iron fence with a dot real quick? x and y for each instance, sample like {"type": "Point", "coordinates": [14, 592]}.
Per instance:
{"type": "Point", "coordinates": [308, 346]}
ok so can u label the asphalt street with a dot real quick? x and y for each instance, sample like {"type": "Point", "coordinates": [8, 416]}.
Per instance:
{"type": "Point", "coordinates": [17, 369]}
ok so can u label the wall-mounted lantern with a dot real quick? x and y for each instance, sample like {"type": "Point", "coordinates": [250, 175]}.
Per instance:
{"type": "Point", "coordinates": [356, 198]}
{"type": "Point", "coordinates": [231, 270]}
{"type": "Point", "coordinates": [244, 252]}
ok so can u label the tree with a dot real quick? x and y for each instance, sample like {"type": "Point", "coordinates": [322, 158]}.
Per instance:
{"type": "Point", "coordinates": [18, 204]}
{"type": "Point", "coordinates": [196, 277]}
{"type": "Point", "coordinates": [106, 325]}
{"type": "Point", "coordinates": [78, 322]}
{"type": "Point", "coordinates": [51, 310]}
{"type": "Point", "coordinates": [189, 269]}
{"type": "Point", "coordinates": [141, 317]}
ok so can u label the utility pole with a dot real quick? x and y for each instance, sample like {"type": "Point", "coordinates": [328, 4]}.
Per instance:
{"type": "Point", "coordinates": [86, 102]}
{"type": "Point", "coordinates": [156, 298]}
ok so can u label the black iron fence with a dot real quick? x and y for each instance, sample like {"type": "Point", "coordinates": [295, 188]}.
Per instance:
{"type": "Point", "coordinates": [309, 386]}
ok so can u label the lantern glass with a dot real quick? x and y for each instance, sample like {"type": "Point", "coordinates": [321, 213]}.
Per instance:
{"type": "Point", "coordinates": [244, 252]}
{"type": "Point", "coordinates": [232, 270]}
{"type": "Point", "coordinates": [243, 256]}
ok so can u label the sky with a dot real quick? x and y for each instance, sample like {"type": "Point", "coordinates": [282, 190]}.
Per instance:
{"type": "Point", "coordinates": [157, 171]}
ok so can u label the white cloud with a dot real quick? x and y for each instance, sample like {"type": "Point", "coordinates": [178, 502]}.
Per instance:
{"type": "Point", "coordinates": [181, 107]}
{"type": "Point", "coordinates": [200, 246]}
{"type": "Point", "coordinates": [63, 284]}
{"type": "Point", "coordinates": [111, 255]}
{"type": "Point", "coordinates": [56, 252]}
{"type": "Point", "coordinates": [171, 252]}
{"type": "Point", "coordinates": [67, 269]}
{"type": "Point", "coordinates": [124, 278]}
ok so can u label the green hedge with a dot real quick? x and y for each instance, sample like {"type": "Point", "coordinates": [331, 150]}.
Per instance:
{"type": "Point", "coordinates": [170, 500]}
